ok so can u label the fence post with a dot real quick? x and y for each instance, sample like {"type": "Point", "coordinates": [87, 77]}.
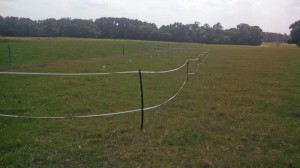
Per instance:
{"type": "Point", "coordinates": [142, 100]}
{"type": "Point", "coordinates": [187, 69]}
{"type": "Point", "coordinates": [9, 54]}
{"type": "Point", "coordinates": [123, 50]}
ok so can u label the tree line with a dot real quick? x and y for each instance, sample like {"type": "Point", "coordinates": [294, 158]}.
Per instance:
{"type": "Point", "coordinates": [275, 37]}
{"type": "Point", "coordinates": [124, 28]}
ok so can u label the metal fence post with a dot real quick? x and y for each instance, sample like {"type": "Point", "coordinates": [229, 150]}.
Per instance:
{"type": "Point", "coordinates": [142, 100]}
{"type": "Point", "coordinates": [187, 69]}
{"type": "Point", "coordinates": [9, 54]}
{"type": "Point", "coordinates": [123, 50]}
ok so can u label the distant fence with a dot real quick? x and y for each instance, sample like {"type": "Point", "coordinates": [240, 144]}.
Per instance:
{"type": "Point", "coordinates": [200, 59]}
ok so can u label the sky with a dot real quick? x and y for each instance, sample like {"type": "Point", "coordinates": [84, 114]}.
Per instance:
{"type": "Point", "coordinates": [270, 15]}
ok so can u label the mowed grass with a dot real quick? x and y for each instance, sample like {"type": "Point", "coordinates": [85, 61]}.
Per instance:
{"type": "Point", "coordinates": [242, 109]}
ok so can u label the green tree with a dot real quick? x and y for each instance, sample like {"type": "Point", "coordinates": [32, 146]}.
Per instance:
{"type": "Point", "coordinates": [145, 30]}
{"type": "Point", "coordinates": [275, 37]}
{"type": "Point", "coordinates": [162, 34]}
{"type": "Point", "coordinates": [178, 31]}
{"type": "Point", "coordinates": [295, 32]}
{"type": "Point", "coordinates": [255, 36]}
{"type": "Point", "coordinates": [48, 27]}
{"type": "Point", "coordinates": [81, 28]}
{"type": "Point", "coordinates": [247, 35]}
{"type": "Point", "coordinates": [63, 25]}
{"type": "Point", "coordinates": [193, 32]}
{"type": "Point", "coordinates": [218, 33]}
{"type": "Point", "coordinates": [26, 27]}
{"type": "Point", "coordinates": [206, 34]}
{"type": "Point", "coordinates": [107, 26]}
{"type": "Point", "coordinates": [243, 33]}
{"type": "Point", "coordinates": [230, 36]}
{"type": "Point", "coordinates": [10, 26]}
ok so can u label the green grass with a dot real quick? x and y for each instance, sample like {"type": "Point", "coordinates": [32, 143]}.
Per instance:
{"type": "Point", "coordinates": [240, 110]}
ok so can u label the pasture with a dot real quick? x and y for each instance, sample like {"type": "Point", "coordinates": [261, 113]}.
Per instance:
{"type": "Point", "coordinates": [242, 109]}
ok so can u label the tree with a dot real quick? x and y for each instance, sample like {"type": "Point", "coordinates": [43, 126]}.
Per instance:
{"type": "Point", "coordinates": [107, 26]}
{"type": "Point", "coordinates": [243, 33]}
{"type": "Point", "coordinates": [193, 32]}
{"type": "Point", "coordinates": [63, 25]}
{"type": "Point", "coordinates": [26, 27]}
{"type": "Point", "coordinates": [9, 26]}
{"type": "Point", "coordinates": [249, 35]}
{"type": "Point", "coordinates": [162, 34]}
{"type": "Point", "coordinates": [48, 28]}
{"type": "Point", "coordinates": [178, 31]}
{"type": "Point", "coordinates": [295, 32]}
{"type": "Point", "coordinates": [206, 34]}
{"type": "Point", "coordinates": [145, 31]}
{"type": "Point", "coordinates": [255, 36]}
{"type": "Point", "coordinates": [81, 28]}
{"type": "Point", "coordinates": [1, 25]}
{"type": "Point", "coordinates": [218, 33]}
{"type": "Point", "coordinates": [275, 37]}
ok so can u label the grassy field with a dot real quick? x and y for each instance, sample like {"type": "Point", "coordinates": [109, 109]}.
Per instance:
{"type": "Point", "coordinates": [242, 109]}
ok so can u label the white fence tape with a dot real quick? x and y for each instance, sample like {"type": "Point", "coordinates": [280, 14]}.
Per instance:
{"type": "Point", "coordinates": [100, 73]}
{"type": "Point", "coordinates": [205, 55]}
{"type": "Point", "coordinates": [92, 74]}
{"type": "Point", "coordinates": [136, 110]}
{"type": "Point", "coordinates": [100, 115]}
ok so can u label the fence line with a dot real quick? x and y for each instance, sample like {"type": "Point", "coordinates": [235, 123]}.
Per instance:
{"type": "Point", "coordinates": [100, 73]}
{"type": "Point", "coordinates": [91, 74]}
{"type": "Point", "coordinates": [205, 55]}
{"type": "Point", "coordinates": [200, 62]}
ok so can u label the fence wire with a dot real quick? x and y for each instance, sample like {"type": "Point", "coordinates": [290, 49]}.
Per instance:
{"type": "Point", "coordinates": [204, 55]}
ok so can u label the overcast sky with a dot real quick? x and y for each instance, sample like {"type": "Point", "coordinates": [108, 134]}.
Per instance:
{"type": "Point", "coordinates": [270, 15]}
